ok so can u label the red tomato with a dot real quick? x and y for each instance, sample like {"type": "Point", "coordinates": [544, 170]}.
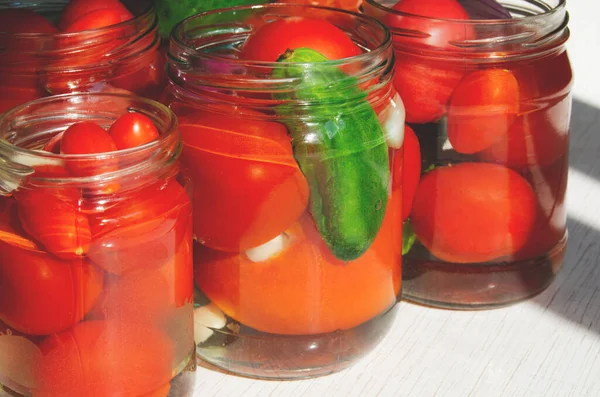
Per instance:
{"type": "Point", "coordinates": [271, 40]}
{"type": "Point", "coordinates": [23, 20]}
{"type": "Point", "coordinates": [40, 294]}
{"type": "Point", "coordinates": [252, 188]}
{"type": "Point", "coordinates": [142, 231]}
{"type": "Point", "coordinates": [104, 358]}
{"type": "Point", "coordinates": [87, 137]}
{"type": "Point", "coordinates": [440, 33]}
{"type": "Point", "coordinates": [76, 9]}
{"type": "Point", "coordinates": [481, 110]}
{"type": "Point", "coordinates": [131, 130]}
{"type": "Point", "coordinates": [473, 212]}
{"type": "Point", "coordinates": [51, 217]}
{"type": "Point", "coordinates": [95, 20]}
{"type": "Point", "coordinates": [178, 271]}
{"type": "Point", "coordinates": [304, 288]}
{"type": "Point", "coordinates": [425, 86]}
{"type": "Point", "coordinates": [539, 137]}
{"type": "Point", "coordinates": [549, 184]}
{"type": "Point", "coordinates": [407, 172]}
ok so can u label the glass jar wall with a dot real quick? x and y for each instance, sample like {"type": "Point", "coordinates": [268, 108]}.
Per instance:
{"type": "Point", "coordinates": [40, 60]}
{"type": "Point", "coordinates": [489, 100]}
{"type": "Point", "coordinates": [297, 213]}
{"type": "Point", "coordinates": [96, 282]}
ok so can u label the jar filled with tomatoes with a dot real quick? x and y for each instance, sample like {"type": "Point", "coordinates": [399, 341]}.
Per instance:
{"type": "Point", "coordinates": [96, 283]}
{"type": "Point", "coordinates": [486, 88]}
{"type": "Point", "coordinates": [293, 135]}
{"type": "Point", "coordinates": [78, 46]}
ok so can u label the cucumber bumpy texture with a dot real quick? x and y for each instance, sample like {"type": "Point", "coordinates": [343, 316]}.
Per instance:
{"type": "Point", "coordinates": [340, 148]}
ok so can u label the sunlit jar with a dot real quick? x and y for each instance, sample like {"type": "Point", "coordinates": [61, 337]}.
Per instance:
{"type": "Point", "coordinates": [490, 103]}
{"type": "Point", "coordinates": [96, 283]}
{"type": "Point", "coordinates": [121, 58]}
{"type": "Point", "coordinates": [295, 276]}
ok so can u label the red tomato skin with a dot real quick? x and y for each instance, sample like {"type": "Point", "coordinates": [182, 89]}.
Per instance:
{"type": "Point", "coordinates": [95, 20]}
{"type": "Point", "coordinates": [87, 137]}
{"type": "Point", "coordinates": [53, 219]}
{"type": "Point", "coordinates": [407, 177]}
{"type": "Point", "coordinates": [271, 40]}
{"type": "Point", "coordinates": [131, 130]}
{"type": "Point", "coordinates": [473, 212]}
{"type": "Point", "coordinates": [23, 20]}
{"type": "Point", "coordinates": [40, 294]}
{"type": "Point", "coordinates": [441, 33]}
{"type": "Point", "coordinates": [252, 186]}
{"type": "Point", "coordinates": [76, 9]}
{"type": "Point", "coordinates": [143, 231]}
{"type": "Point", "coordinates": [104, 358]}
{"type": "Point", "coordinates": [481, 110]}
{"type": "Point", "coordinates": [535, 138]}
{"type": "Point", "coordinates": [425, 87]}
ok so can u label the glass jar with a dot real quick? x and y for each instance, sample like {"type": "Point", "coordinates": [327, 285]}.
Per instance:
{"type": "Point", "coordinates": [96, 283]}
{"type": "Point", "coordinates": [490, 103]}
{"type": "Point", "coordinates": [295, 278]}
{"type": "Point", "coordinates": [119, 58]}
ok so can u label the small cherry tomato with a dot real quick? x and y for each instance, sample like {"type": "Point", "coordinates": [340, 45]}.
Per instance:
{"type": "Point", "coordinates": [308, 292]}
{"type": "Point", "coordinates": [539, 137]}
{"type": "Point", "coordinates": [76, 9]}
{"type": "Point", "coordinates": [131, 130]}
{"type": "Point", "coordinates": [271, 40]}
{"type": "Point", "coordinates": [95, 20]}
{"type": "Point", "coordinates": [252, 187]}
{"type": "Point", "coordinates": [104, 358]}
{"type": "Point", "coordinates": [481, 110]}
{"type": "Point", "coordinates": [473, 212]}
{"type": "Point", "coordinates": [142, 231]}
{"type": "Point", "coordinates": [146, 77]}
{"type": "Point", "coordinates": [40, 294]}
{"type": "Point", "coordinates": [52, 218]}
{"type": "Point", "coordinates": [23, 20]}
{"type": "Point", "coordinates": [87, 137]}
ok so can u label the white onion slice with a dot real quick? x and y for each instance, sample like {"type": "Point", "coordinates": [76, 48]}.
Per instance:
{"type": "Point", "coordinates": [267, 250]}
{"type": "Point", "coordinates": [207, 318]}
{"type": "Point", "coordinates": [392, 120]}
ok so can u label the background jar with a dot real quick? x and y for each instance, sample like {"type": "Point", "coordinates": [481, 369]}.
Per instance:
{"type": "Point", "coordinates": [274, 300]}
{"type": "Point", "coordinates": [95, 271]}
{"type": "Point", "coordinates": [490, 103]}
{"type": "Point", "coordinates": [119, 58]}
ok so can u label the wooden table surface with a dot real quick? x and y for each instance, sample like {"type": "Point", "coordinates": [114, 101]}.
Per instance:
{"type": "Point", "coordinates": [546, 347]}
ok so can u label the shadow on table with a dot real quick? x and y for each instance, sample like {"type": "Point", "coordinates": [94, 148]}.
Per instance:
{"type": "Point", "coordinates": [584, 155]}
{"type": "Point", "coordinates": [575, 295]}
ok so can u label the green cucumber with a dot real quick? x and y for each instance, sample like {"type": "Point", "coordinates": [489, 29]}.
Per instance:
{"type": "Point", "coordinates": [170, 12]}
{"type": "Point", "coordinates": [340, 148]}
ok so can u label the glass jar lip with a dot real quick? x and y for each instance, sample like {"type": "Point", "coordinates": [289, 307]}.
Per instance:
{"type": "Point", "coordinates": [179, 30]}
{"type": "Point", "coordinates": [106, 29]}
{"type": "Point", "coordinates": [529, 18]}
{"type": "Point", "coordinates": [167, 134]}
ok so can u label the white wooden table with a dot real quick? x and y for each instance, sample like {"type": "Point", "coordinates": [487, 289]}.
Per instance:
{"type": "Point", "coordinates": [546, 347]}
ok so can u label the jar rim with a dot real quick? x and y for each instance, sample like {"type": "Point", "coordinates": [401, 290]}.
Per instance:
{"type": "Point", "coordinates": [528, 18]}
{"type": "Point", "coordinates": [178, 32]}
{"type": "Point", "coordinates": [12, 156]}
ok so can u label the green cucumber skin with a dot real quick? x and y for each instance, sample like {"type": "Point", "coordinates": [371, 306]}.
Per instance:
{"type": "Point", "coordinates": [348, 168]}
{"type": "Point", "coordinates": [172, 11]}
